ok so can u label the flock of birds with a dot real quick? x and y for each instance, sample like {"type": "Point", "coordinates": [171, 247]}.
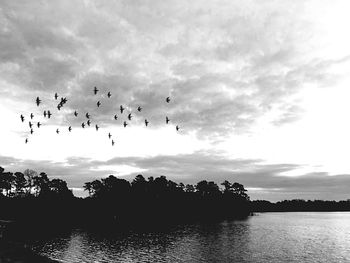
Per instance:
{"type": "Point", "coordinates": [87, 123]}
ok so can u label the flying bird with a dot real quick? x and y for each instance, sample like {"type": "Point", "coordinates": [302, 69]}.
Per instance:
{"type": "Point", "coordinates": [115, 117]}
{"type": "Point", "coordinates": [57, 131]}
{"type": "Point", "coordinates": [167, 119]}
{"type": "Point", "coordinates": [26, 141]}
{"type": "Point", "coordinates": [31, 115]}
{"type": "Point", "coordinates": [109, 94]}
{"type": "Point", "coordinates": [31, 131]}
{"type": "Point", "coordinates": [167, 99]}
{"type": "Point", "coordinates": [121, 109]}
{"type": "Point", "coordinates": [59, 106]}
{"type": "Point", "coordinates": [96, 126]}
{"type": "Point", "coordinates": [146, 122]}
{"type": "Point", "coordinates": [95, 90]}
{"type": "Point", "coordinates": [177, 128]}
{"type": "Point", "coordinates": [98, 104]}
{"type": "Point", "coordinates": [63, 101]}
{"type": "Point", "coordinates": [125, 124]}
{"type": "Point", "coordinates": [88, 122]}
{"type": "Point", "coordinates": [38, 101]}
{"type": "Point", "coordinates": [22, 118]}
{"type": "Point", "coordinates": [38, 124]}
{"type": "Point", "coordinates": [83, 125]}
{"type": "Point", "coordinates": [109, 135]}
{"type": "Point", "coordinates": [87, 115]}
{"type": "Point", "coordinates": [56, 96]}
{"type": "Point", "coordinates": [112, 143]}
{"type": "Point", "coordinates": [129, 116]}
{"type": "Point", "coordinates": [70, 128]}
{"type": "Point", "coordinates": [30, 125]}
{"type": "Point", "coordinates": [45, 113]}
{"type": "Point", "coordinates": [75, 113]}
{"type": "Point", "coordinates": [139, 108]}
{"type": "Point", "coordinates": [49, 114]}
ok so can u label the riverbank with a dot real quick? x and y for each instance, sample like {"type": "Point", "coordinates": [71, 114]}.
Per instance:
{"type": "Point", "coordinates": [18, 253]}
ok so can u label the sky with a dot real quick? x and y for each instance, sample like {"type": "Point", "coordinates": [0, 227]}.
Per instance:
{"type": "Point", "coordinates": [259, 89]}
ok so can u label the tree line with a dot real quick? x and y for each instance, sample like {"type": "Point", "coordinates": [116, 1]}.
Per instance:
{"type": "Point", "coordinates": [160, 187]}
{"type": "Point", "coordinates": [30, 183]}
{"type": "Point", "coordinates": [299, 205]}
{"type": "Point", "coordinates": [33, 197]}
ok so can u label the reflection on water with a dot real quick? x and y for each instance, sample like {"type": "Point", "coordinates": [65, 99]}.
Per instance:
{"type": "Point", "coordinates": [268, 237]}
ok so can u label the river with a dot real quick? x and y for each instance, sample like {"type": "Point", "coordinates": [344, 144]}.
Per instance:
{"type": "Point", "coordinates": [265, 237]}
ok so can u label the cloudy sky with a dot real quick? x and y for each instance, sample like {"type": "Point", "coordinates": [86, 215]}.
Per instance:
{"type": "Point", "coordinates": [259, 88]}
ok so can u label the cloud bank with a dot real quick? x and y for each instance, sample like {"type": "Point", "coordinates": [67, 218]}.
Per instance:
{"type": "Point", "coordinates": [228, 66]}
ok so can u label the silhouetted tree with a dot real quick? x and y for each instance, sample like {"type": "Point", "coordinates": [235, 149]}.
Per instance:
{"type": "Point", "coordinates": [207, 189]}
{"type": "Point", "coordinates": [59, 188]}
{"type": "Point", "coordinates": [115, 187]}
{"type": "Point", "coordinates": [238, 190]}
{"type": "Point", "coordinates": [41, 184]}
{"type": "Point", "coordinates": [29, 176]}
{"type": "Point", "coordinates": [139, 185]}
{"type": "Point", "coordinates": [6, 181]}
{"type": "Point", "coordinates": [20, 184]}
{"type": "Point", "coordinates": [88, 187]}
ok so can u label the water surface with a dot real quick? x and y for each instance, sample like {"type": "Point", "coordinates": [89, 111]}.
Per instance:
{"type": "Point", "coordinates": [266, 237]}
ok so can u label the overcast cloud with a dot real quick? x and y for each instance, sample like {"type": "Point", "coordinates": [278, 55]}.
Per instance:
{"type": "Point", "coordinates": [228, 66]}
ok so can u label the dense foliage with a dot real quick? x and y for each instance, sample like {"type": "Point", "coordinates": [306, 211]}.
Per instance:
{"type": "Point", "coordinates": [33, 197]}
{"type": "Point", "coordinates": [162, 200]}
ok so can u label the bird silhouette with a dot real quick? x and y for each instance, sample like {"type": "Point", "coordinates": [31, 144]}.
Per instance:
{"type": "Point", "coordinates": [139, 108]}
{"type": "Point", "coordinates": [115, 117]}
{"type": "Point", "coordinates": [56, 96]}
{"type": "Point", "coordinates": [87, 115]}
{"type": "Point", "coordinates": [125, 124]}
{"type": "Point", "coordinates": [38, 101]}
{"type": "Point", "coordinates": [177, 128]}
{"type": "Point", "coordinates": [83, 125]}
{"type": "Point", "coordinates": [45, 113]}
{"type": "Point", "coordinates": [98, 104]}
{"type": "Point", "coordinates": [109, 135]}
{"type": "Point", "coordinates": [167, 119]}
{"type": "Point", "coordinates": [59, 106]}
{"type": "Point", "coordinates": [88, 122]}
{"type": "Point", "coordinates": [31, 131]}
{"type": "Point", "coordinates": [22, 118]}
{"type": "Point", "coordinates": [95, 90]}
{"type": "Point", "coordinates": [70, 128]}
{"type": "Point", "coordinates": [146, 122]}
{"type": "Point", "coordinates": [121, 109]}
{"type": "Point", "coordinates": [49, 114]}
{"type": "Point", "coordinates": [75, 113]}
{"type": "Point", "coordinates": [112, 143]}
{"type": "Point", "coordinates": [31, 116]}
{"type": "Point", "coordinates": [57, 131]}
{"type": "Point", "coordinates": [96, 126]}
{"type": "Point", "coordinates": [129, 116]}
{"type": "Point", "coordinates": [38, 124]}
{"type": "Point", "coordinates": [30, 125]}
{"type": "Point", "coordinates": [63, 100]}
{"type": "Point", "coordinates": [167, 99]}
{"type": "Point", "coordinates": [26, 141]}
{"type": "Point", "coordinates": [109, 94]}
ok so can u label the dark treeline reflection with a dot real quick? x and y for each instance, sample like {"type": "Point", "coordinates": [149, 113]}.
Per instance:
{"type": "Point", "coordinates": [35, 200]}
